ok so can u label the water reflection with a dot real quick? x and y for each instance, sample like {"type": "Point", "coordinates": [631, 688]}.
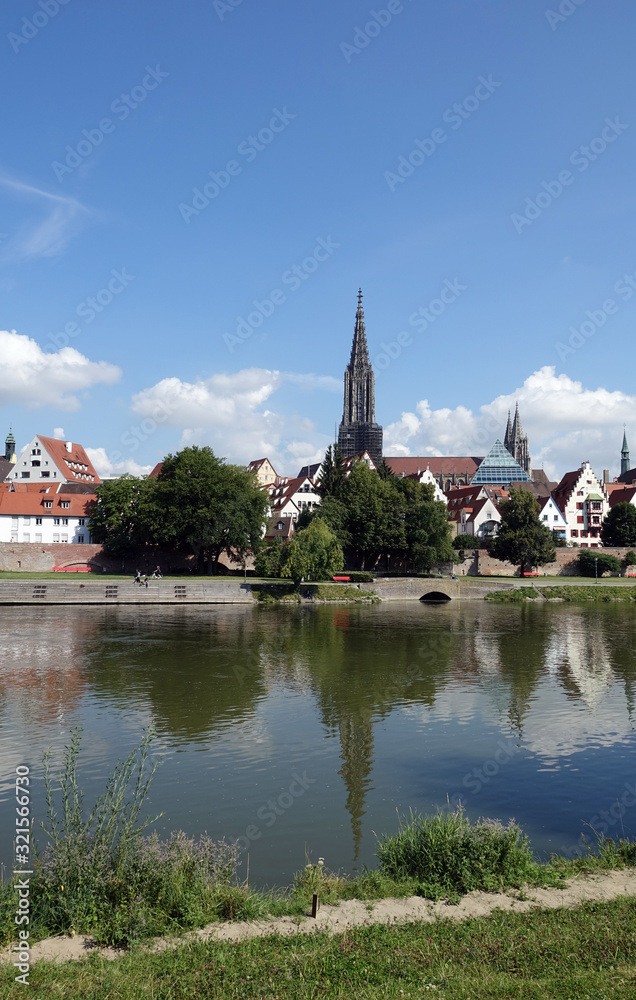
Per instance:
{"type": "Point", "coordinates": [245, 695]}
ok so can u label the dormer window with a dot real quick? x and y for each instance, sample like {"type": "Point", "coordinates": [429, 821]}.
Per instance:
{"type": "Point", "coordinates": [65, 503]}
{"type": "Point", "coordinates": [48, 503]}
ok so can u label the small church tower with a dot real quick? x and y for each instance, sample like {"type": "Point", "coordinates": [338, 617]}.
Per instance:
{"type": "Point", "coordinates": [9, 448]}
{"type": "Point", "coordinates": [516, 442]}
{"type": "Point", "coordinates": [624, 455]}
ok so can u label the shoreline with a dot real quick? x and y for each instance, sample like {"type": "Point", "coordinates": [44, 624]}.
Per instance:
{"type": "Point", "coordinates": [337, 918]}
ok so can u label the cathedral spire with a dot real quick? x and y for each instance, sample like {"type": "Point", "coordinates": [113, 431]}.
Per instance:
{"type": "Point", "coordinates": [358, 430]}
{"type": "Point", "coordinates": [359, 349]}
{"type": "Point", "coordinates": [508, 435]}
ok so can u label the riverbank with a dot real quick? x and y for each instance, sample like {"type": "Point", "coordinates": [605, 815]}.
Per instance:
{"type": "Point", "coordinates": [581, 945]}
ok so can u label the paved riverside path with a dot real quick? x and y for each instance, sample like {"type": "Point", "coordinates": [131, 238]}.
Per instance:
{"type": "Point", "coordinates": [116, 591]}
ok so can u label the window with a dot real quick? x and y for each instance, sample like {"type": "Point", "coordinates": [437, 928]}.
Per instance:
{"type": "Point", "coordinates": [45, 475]}
{"type": "Point", "coordinates": [38, 538]}
{"type": "Point", "coordinates": [48, 503]}
{"type": "Point", "coordinates": [35, 461]}
{"type": "Point", "coordinates": [65, 538]}
{"type": "Point", "coordinates": [556, 517]}
{"type": "Point", "coordinates": [26, 536]}
{"type": "Point", "coordinates": [26, 520]}
{"type": "Point", "coordinates": [56, 538]}
{"type": "Point", "coordinates": [25, 475]}
{"type": "Point", "coordinates": [579, 520]}
{"type": "Point", "coordinates": [545, 517]}
{"type": "Point", "coordinates": [574, 533]}
{"type": "Point", "coordinates": [584, 534]}
{"type": "Point", "coordinates": [579, 493]}
{"type": "Point", "coordinates": [81, 520]}
{"type": "Point", "coordinates": [80, 539]}
{"type": "Point", "coordinates": [56, 520]}
{"type": "Point", "coordinates": [579, 506]}
{"type": "Point", "coordinates": [65, 520]}
{"type": "Point", "coordinates": [65, 504]}
{"type": "Point", "coordinates": [14, 536]}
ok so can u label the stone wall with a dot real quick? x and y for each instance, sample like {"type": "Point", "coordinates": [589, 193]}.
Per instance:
{"type": "Point", "coordinates": [566, 563]}
{"type": "Point", "coordinates": [36, 557]}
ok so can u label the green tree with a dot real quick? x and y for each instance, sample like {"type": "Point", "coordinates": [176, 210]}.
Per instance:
{"type": "Point", "coordinates": [313, 553]}
{"type": "Point", "coordinates": [119, 519]}
{"type": "Point", "coordinates": [595, 563]}
{"type": "Point", "coordinates": [269, 560]}
{"type": "Point", "coordinates": [331, 474]}
{"type": "Point", "coordinates": [522, 539]}
{"type": "Point", "coordinates": [466, 542]}
{"type": "Point", "coordinates": [384, 470]}
{"type": "Point", "coordinates": [427, 529]}
{"type": "Point", "coordinates": [619, 527]}
{"type": "Point", "coordinates": [212, 507]}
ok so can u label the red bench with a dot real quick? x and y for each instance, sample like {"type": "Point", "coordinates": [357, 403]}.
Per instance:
{"type": "Point", "coordinates": [343, 579]}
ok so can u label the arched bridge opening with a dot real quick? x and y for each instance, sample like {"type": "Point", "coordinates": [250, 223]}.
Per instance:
{"type": "Point", "coordinates": [434, 597]}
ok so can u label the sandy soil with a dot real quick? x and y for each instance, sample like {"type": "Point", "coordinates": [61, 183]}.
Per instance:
{"type": "Point", "coordinates": [353, 913]}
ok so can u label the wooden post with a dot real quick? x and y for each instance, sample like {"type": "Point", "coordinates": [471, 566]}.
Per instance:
{"type": "Point", "coordinates": [314, 905]}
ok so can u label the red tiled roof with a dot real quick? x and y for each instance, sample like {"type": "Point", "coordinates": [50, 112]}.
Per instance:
{"type": "Point", "coordinates": [447, 464]}
{"type": "Point", "coordinates": [31, 504]}
{"type": "Point", "coordinates": [155, 472]}
{"type": "Point", "coordinates": [75, 464]}
{"type": "Point", "coordinates": [621, 495]}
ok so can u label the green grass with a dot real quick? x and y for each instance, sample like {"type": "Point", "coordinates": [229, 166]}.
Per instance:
{"type": "Point", "coordinates": [566, 592]}
{"type": "Point", "coordinates": [341, 592]}
{"type": "Point", "coordinates": [585, 953]}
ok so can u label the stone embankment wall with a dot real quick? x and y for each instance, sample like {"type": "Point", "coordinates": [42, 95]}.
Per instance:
{"type": "Point", "coordinates": [565, 564]}
{"type": "Point", "coordinates": [36, 557]}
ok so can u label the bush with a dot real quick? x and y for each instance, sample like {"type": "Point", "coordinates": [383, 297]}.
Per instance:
{"type": "Point", "coordinates": [592, 561]}
{"type": "Point", "coordinates": [449, 855]}
{"type": "Point", "coordinates": [355, 577]}
{"type": "Point", "coordinates": [100, 876]}
{"type": "Point", "coordinates": [466, 542]}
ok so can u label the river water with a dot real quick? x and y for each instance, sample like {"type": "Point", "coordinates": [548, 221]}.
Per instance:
{"type": "Point", "coordinates": [306, 731]}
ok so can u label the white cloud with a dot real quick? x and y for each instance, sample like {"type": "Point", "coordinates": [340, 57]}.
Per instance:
{"type": "Point", "coordinates": [58, 434]}
{"type": "Point", "coordinates": [229, 413]}
{"type": "Point", "coordinates": [107, 468]}
{"type": "Point", "coordinates": [566, 425]}
{"type": "Point", "coordinates": [35, 378]}
{"type": "Point", "coordinates": [60, 220]}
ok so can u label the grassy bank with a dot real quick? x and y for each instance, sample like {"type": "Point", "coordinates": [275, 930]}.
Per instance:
{"type": "Point", "coordinates": [586, 953]}
{"type": "Point", "coordinates": [324, 593]}
{"type": "Point", "coordinates": [566, 592]}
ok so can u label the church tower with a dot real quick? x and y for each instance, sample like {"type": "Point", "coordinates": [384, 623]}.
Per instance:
{"type": "Point", "coordinates": [624, 455]}
{"type": "Point", "coordinates": [358, 430]}
{"type": "Point", "coordinates": [9, 448]}
{"type": "Point", "coordinates": [516, 442]}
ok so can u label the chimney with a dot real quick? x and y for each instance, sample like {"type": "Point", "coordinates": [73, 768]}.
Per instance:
{"type": "Point", "coordinates": [69, 446]}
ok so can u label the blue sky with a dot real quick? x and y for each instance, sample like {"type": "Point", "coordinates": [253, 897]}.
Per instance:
{"type": "Point", "coordinates": [165, 168]}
